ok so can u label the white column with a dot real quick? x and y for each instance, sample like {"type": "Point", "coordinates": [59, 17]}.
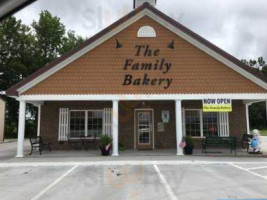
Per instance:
{"type": "Point", "coordinates": [179, 128]}
{"type": "Point", "coordinates": [115, 128]}
{"type": "Point", "coordinates": [21, 129]}
{"type": "Point", "coordinates": [39, 120]}
{"type": "Point", "coordinates": [247, 117]}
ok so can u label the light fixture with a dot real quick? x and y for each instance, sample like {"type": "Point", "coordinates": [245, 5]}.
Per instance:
{"type": "Point", "coordinates": [171, 45]}
{"type": "Point", "coordinates": [118, 45]}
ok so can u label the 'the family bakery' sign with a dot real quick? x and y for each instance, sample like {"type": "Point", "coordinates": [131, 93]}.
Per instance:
{"type": "Point", "coordinates": [160, 64]}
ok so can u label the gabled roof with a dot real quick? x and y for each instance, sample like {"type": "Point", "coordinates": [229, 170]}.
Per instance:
{"type": "Point", "coordinates": [210, 48]}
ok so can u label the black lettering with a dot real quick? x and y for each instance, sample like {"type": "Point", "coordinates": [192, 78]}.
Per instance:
{"type": "Point", "coordinates": [128, 80]}
{"type": "Point", "coordinates": [146, 66]}
{"type": "Point", "coordinates": [146, 80]}
{"type": "Point", "coordinates": [139, 47]}
{"type": "Point", "coordinates": [128, 63]}
{"type": "Point", "coordinates": [148, 51]}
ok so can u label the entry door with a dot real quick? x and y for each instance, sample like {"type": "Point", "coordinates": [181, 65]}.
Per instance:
{"type": "Point", "coordinates": [144, 129]}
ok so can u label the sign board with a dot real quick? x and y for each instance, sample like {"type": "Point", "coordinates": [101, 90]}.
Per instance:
{"type": "Point", "coordinates": [165, 115]}
{"type": "Point", "coordinates": [160, 127]}
{"type": "Point", "coordinates": [217, 105]}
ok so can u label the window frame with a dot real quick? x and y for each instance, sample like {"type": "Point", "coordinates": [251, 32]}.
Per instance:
{"type": "Point", "coordinates": [201, 122]}
{"type": "Point", "coordinates": [86, 121]}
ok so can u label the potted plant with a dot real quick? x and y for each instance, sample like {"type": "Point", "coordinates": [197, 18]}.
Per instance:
{"type": "Point", "coordinates": [189, 147]}
{"type": "Point", "coordinates": [105, 145]}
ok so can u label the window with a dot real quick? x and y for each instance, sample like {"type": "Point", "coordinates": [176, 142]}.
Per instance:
{"type": "Point", "coordinates": [201, 124]}
{"type": "Point", "coordinates": [192, 123]}
{"type": "Point", "coordinates": [146, 32]}
{"type": "Point", "coordinates": [86, 123]}
{"type": "Point", "coordinates": [144, 127]}
{"type": "Point", "coordinates": [210, 123]}
{"type": "Point", "coordinates": [95, 123]}
{"type": "Point", "coordinates": [77, 123]}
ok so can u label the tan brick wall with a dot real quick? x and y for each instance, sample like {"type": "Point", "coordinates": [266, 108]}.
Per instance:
{"type": "Point", "coordinates": [101, 70]}
{"type": "Point", "coordinates": [163, 140]}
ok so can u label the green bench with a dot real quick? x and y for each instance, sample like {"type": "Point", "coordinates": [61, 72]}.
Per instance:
{"type": "Point", "coordinates": [215, 141]}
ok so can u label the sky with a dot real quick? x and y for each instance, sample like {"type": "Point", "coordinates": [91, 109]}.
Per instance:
{"type": "Point", "coordinates": [237, 26]}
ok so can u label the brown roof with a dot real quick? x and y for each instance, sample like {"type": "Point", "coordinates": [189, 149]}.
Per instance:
{"type": "Point", "coordinates": [13, 90]}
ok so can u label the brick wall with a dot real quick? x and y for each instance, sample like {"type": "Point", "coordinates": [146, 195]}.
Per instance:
{"type": "Point", "coordinates": [50, 118]}
{"type": "Point", "coordinates": [163, 140]}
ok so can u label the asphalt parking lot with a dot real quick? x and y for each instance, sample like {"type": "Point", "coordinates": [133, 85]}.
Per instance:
{"type": "Point", "coordinates": [184, 181]}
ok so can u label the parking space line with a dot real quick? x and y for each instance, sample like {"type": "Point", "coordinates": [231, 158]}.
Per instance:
{"type": "Point", "coordinates": [164, 182]}
{"type": "Point", "coordinates": [53, 184]}
{"type": "Point", "coordinates": [246, 170]}
{"type": "Point", "coordinates": [255, 168]}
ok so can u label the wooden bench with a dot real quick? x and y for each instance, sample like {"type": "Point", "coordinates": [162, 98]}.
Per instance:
{"type": "Point", "coordinates": [215, 141]}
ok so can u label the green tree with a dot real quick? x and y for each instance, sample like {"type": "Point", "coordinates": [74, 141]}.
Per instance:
{"type": "Point", "coordinates": [25, 49]}
{"type": "Point", "coordinates": [16, 62]}
{"type": "Point", "coordinates": [49, 33]}
{"type": "Point", "coordinates": [258, 64]}
{"type": "Point", "coordinates": [70, 41]}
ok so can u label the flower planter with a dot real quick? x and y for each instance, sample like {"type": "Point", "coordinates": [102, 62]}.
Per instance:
{"type": "Point", "coordinates": [104, 151]}
{"type": "Point", "coordinates": [188, 150]}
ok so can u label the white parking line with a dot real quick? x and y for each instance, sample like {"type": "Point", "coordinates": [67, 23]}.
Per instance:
{"type": "Point", "coordinates": [165, 184]}
{"type": "Point", "coordinates": [255, 168]}
{"type": "Point", "coordinates": [53, 184]}
{"type": "Point", "coordinates": [120, 163]}
{"type": "Point", "coordinates": [246, 170]}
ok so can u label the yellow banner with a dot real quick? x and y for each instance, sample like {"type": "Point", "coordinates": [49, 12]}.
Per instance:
{"type": "Point", "coordinates": [217, 105]}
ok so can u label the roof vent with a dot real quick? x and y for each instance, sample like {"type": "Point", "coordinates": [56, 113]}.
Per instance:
{"type": "Point", "coordinates": [138, 3]}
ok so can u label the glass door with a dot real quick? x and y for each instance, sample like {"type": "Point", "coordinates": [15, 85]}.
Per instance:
{"type": "Point", "coordinates": [144, 127]}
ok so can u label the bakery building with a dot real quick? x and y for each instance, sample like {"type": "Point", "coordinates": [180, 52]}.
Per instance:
{"type": "Point", "coordinates": [146, 81]}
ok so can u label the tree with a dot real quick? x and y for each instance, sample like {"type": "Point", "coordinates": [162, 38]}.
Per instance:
{"type": "Point", "coordinates": [16, 52]}
{"type": "Point", "coordinates": [25, 49]}
{"type": "Point", "coordinates": [257, 64]}
{"type": "Point", "coordinates": [70, 41]}
{"type": "Point", "coordinates": [49, 33]}
{"type": "Point", "coordinates": [16, 61]}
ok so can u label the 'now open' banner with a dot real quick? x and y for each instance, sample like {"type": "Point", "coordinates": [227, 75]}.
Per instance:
{"type": "Point", "coordinates": [217, 105]}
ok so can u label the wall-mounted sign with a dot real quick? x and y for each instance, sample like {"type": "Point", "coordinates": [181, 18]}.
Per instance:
{"type": "Point", "coordinates": [165, 115]}
{"type": "Point", "coordinates": [160, 127]}
{"type": "Point", "coordinates": [217, 105]}
{"type": "Point", "coordinates": [138, 64]}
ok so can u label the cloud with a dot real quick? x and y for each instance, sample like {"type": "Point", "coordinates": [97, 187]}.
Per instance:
{"type": "Point", "coordinates": [239, 27]}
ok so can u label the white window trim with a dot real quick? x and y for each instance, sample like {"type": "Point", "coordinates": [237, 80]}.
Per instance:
{"type": "Point", "coordinates": [86, 121]}
{"type": "Point", "coordinates": [146, 32]}
{"type": "Point", "coordinates": [201, 123]}
{"type": "Point", "coordinates": [153, 129]}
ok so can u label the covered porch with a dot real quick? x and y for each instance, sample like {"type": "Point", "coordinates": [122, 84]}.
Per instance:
{"type": "Point", "coordinates": [121, 122]}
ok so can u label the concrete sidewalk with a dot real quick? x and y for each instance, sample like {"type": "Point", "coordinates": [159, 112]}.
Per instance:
{"type": "Point", "coordinates": [8, 153]}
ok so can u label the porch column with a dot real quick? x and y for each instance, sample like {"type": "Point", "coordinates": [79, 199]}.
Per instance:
{"type": "Point", "coordinates": [39, 120]}
{"type": "Point", "coordinates": [179, 129]}
{"type": "Point", "coordinates": [247, 117]}
{"type": "Point", "coordinates": [21, 129]}
{"type": "Point", "coordinates": [115, 128]}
